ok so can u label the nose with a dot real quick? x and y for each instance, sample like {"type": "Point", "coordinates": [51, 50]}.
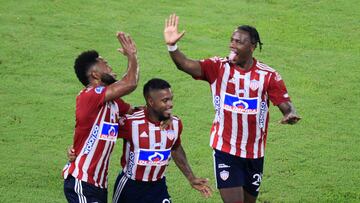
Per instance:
{"type": "Point", "coordinates": [170, 104]}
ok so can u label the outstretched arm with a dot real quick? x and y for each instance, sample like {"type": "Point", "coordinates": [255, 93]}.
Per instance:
{"type": "Point", "coordinates": [172, 36]}
{"type": "Point", "coordinates": [289, 112]}
{"type": "Point", "coordinates": [200, 184]}
{"type": "Point", "coordinates": [130, 80]}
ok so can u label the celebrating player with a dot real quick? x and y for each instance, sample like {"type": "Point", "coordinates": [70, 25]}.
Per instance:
{"type": "Point", "coordinates": [98, 108]}
{"type": "Point", "coordinates": [148, 148]}
{"type": "Point", "coordinates": [241, 88]}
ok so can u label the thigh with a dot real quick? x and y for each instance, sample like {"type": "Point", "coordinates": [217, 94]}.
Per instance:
{"type": "Point", "coordinates": [228, 173]}
{"type": "Point", "coordinates": [254, 174]}
{"type": "Point", "coordinates": [77, 191]}
{"type": "Point", "coordinates": [158, 193]}
{"type": "Point", "coordinates": [232, 195]}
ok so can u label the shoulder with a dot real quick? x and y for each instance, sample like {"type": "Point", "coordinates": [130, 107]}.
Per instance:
{"type": "Point", "coordinates": [264, 67]}
{"type": "Point", "coordinates": [136, 115]}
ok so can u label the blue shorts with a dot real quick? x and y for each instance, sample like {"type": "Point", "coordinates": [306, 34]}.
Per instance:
{"type": "Point", "coordinates": [131, 191]}
{"type": "Point", "coordinates": [233, 171]}
{"type": "Point", "coordinates": [77, 191]}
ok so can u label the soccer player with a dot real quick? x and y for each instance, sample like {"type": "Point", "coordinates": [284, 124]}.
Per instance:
{"type": "Point", "coordinates": [148, 149]}
{"type": "Point", "coordinates": [241, 87]}
{"type": "Point", "coordinates": [98, 109]}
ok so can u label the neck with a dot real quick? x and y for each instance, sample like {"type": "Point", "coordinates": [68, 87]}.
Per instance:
{"type": "Point", "coordinates": [152, 115]}
{"type": "Point", "coordinates": [246, 65]}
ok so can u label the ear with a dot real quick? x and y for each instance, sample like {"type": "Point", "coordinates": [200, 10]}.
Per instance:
{"type": "Point", "coordinates": [95, 74]}
{"type": "Point", "coordinates": [150, 101]}
{"type": "Point", "coordinates": [253, 47]}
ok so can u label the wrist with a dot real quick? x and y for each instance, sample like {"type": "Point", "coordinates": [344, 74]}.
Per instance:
{"type": "Point", "coordinates": [172, 48]}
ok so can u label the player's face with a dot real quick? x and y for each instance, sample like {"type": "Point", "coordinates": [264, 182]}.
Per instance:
{"type": "Point", "coordinates": [241, 48]}
{"type": "Point", "coordinates": [161, 103]}
{"type": "Point", "coordinates": [106, 75]}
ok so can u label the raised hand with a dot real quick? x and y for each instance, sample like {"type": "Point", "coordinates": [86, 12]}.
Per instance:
{"type": "Point", "coordinates": [127, 44]}
{"type": "Point", "coordinates": [171, 33]}
{"type": "Point", "coordinates": [201, 184]}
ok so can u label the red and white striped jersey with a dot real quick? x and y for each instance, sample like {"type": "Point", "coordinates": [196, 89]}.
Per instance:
{"type": "Point", "coordinates": [147, 148]}
{"type": "Point", "coordinates": [241, 102]}
{"type": "Point", "coordinates": [95, 134]}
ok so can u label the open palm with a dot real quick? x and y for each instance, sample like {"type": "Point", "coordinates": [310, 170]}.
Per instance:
{"type": "Point", "coordinates": [171, 33]}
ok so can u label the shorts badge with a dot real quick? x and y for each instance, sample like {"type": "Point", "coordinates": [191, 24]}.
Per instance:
{"type": "Point", "coordinates": [224, 175]}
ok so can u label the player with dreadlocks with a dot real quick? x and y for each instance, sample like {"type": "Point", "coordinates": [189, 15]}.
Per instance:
{"type": "Point", "coordinates": [241, 88]}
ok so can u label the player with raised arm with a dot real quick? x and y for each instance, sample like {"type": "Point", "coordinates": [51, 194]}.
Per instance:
{"type": "Point", "coordinates": [98, 109]}
{"type": "Point", "coordinates": [241, 88]}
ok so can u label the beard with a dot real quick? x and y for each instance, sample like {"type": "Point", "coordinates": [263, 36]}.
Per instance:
{"type": "Point", "coordinates": [108, 79]}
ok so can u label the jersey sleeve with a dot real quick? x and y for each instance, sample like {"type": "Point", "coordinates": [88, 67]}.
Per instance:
{"type": "Point", "coordinates": [123, 106]}
{"type": "Point", "coordinates": [178, 141]}
{"type": "Point", "coordinates": [95, 97]}
{"type": "Point", "coordinates": [277, 90]}
{"type": "Point", "coordinates": [209, 69]}
{"type": "Point", "coordinates": [124, 128]}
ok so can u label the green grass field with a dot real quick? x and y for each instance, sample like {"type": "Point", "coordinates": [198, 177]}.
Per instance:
{"type": "Point", "coordinates": [313, 44]}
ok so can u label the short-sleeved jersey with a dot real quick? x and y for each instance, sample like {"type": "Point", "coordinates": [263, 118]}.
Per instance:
{"type": "Point", "coordinates": [147, 148]}
{"type": "Point", "coordinates": [95, 134]}
{"type": "Point", "coordinates": [241, 102]}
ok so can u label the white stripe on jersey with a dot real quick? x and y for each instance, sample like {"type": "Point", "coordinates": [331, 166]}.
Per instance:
{"type": "Point", "coordinates": [151, 146]}
{"type": "Point", "coordinates": [263, 66]}
{"type": "Point", "coordinates": [245, 125]}
{"type": "Point", "coordinates": [217, 111]}
{"type": "Point", "coordinates": [225, 79]}
{"type": "Point", "coordinates": [258, 129]}
{"type": "Point", "coordinates": [234, 116]}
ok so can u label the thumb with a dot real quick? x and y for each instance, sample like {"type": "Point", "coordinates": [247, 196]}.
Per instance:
{"type": "Point", "coordinates": [121, 50]}
{"type": "Point", "coordinates": [181, 34]}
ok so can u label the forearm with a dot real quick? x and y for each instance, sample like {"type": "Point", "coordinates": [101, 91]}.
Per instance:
{"type": "Point", "coordinates": [181, 162]}
{"type": "Point", "coordinates": [185, 64]}
{"type": "Point", "coordinates": [287, 108]}
{"type": "Point", "coordinates": [129, 81]}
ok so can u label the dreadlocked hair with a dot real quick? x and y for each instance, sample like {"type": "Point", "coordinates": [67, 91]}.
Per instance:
{"type": "Point", "coordinates": [254, 35]}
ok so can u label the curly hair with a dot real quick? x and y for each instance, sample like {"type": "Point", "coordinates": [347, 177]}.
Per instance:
{"type": "Point", "coordinates": [83, 63]}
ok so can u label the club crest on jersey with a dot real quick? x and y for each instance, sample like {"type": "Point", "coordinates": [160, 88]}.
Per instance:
{"type": "Point", "coordinates": [109, 131]}
{"type": "Point", "coordinates": [224, 175]}
{"type": "Point", "coordinates": [254, 85]}
{"type": "Point", "coordinates": [99, 89]}
{"type": "Point", "coordinates": [240, 104]}
{"type": "Point", "coordinates": [153, 157]}
{"type": "Point", "coordinates": [170, 134]}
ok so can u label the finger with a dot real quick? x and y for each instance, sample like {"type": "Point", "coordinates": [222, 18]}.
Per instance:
{"type": "Point", "coordinates": [176, 21]}
{"type": "Point", "coordinates": [172, 22]}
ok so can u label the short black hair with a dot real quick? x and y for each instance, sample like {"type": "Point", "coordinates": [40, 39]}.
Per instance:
{"type": "Point", "coordinates": [254, 35]}
{"type": "Point", "coordinates": [83, 63]}
{"type": "Point", "coordinates": [155, 84]}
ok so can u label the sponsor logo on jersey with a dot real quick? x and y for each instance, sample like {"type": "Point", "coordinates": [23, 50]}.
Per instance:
{"type": "Point", "coordinates": [263, 111]}
{"type": "Point", "coordinates": [217, 107]}
{"type": "Point", "coordinates": [153, 157]}
{"type": "Point", "coordinates": [224, 175]}
{"type": "Point", "coordinates": [144, 134]}
{"type": "Point", "coordinates": [109, 131]}
{"type": "Point", "coordinates": [240, 104]}
{"type": "Point", "coordinates": [131, 164]}
{"type": "Point", "coordinates": [99, 89]}
{"type": "Point", "coordinates": [92, 139]}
